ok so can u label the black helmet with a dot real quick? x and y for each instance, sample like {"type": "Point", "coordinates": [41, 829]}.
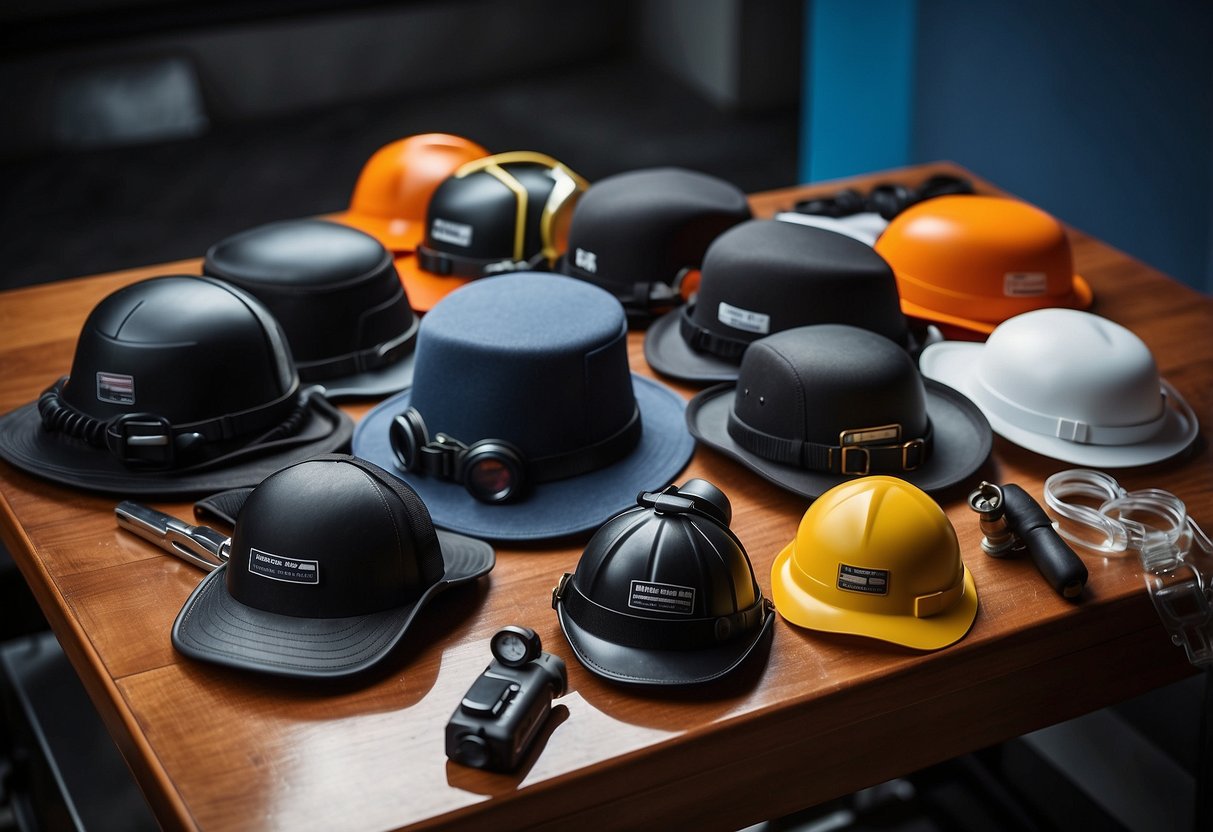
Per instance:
{"type": "Point", "coordinates": [331, 560]}
{"type": "Point", "coordinates": [174, 376]}
{"type": "Point", "coordinates": [503, 213]}
{"type": "Point", "coordinates": [336, 294]}
{"type": "Point", "coordinates": [639, 234]}
{"type": "Point", "coordinates": [664, 593]}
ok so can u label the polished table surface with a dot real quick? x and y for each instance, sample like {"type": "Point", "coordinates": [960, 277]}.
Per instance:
{"type": "Point", "coordinates": [216, 749]}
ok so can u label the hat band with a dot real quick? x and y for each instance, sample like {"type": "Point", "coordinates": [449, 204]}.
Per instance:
{"type": "Point", "coordinates": [1074, 430]}
{"type": "Point", "coordinates": [457, 265]}
{"type": "Point", "coordinates": [643, 296]}
{"type": "Point", "coordinates": [656, 633]}
{"type": "Point", "coordinates": [854, 457]}
{"type": "Point", "coordinates": [363, 361]}
{"type": "Point", "coordinates": [703, 340]}
{"type": "Point", "coordinates": [148, 441]}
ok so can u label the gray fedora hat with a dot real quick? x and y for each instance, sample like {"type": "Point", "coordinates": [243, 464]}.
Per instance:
{"type": "Point", "coordinates": [819, 405]}
{"type": "Point", "coordinates": [763, 277]}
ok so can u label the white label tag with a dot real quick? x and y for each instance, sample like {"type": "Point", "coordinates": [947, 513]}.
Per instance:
{"type": "Point", "coordinates": [455, 233]}
{"type": "Point", "coordinates": [279, 568]}
{"type": "Point", "coordinates": [586, 260]}
{"type": "Point", "coordinates": [1025, 284]}
{"type": "Point", "coordinates": [115, 388]}
{"type": "Point", "coordinates": [743, 319]}
{"type": "Point", "coordinates": [647, 595]}
{"type": "Point", "coordinates": [867, 581]}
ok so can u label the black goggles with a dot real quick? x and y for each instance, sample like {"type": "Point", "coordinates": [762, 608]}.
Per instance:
{"type": "Point", "coordinates": [494, 470]}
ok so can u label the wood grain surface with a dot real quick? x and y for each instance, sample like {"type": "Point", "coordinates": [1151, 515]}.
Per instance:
{"type": "Point", "coordinates": [822, 715]}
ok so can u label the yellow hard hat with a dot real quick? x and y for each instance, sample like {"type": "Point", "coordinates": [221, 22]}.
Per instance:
{"type": "Point", "coordinates": [876, 557]}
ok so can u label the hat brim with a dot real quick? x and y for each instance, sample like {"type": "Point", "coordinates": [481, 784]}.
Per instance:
{"type": "Point", "coordinates": [1080, 297]}
{"type": "Point", "coordinates": [382, 381]}
{"type": "Point", "coordinates": [551, 509]}
{"type": "Point", "coordinates": [214, 627]}
{"type": "Point", "coordinates": [424, 288]}
{"type": "Point", "coordinates": [955, 363]}
{"type": "Point", "coordinates": [68, 461]}
{"type": "Point", "coordinates": [398, 236]}
{"type": "Point", "coordinates": [865, 227]}
{"type": "Point", "coordinates": [961, 443]}
{"type": "Point", "coordinates": [634, 666]}
{"type": "Point", "coordinates": [668, 353]}
{"type": "Point", "coordinates": [930, 633]}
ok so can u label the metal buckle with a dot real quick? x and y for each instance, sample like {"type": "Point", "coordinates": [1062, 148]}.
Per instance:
{"type": "Point", "coordinates": [142, 440]}
{"type": "Point", "coordinates": [558, 590]}
{"type": "Point", "coordinates": [855, 449]}
{"type": "Point", "coordinates": [905, 454]}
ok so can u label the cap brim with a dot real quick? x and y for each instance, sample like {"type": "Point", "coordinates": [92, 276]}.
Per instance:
{"type": "Point", "coordinates": [424, 288]}
{"type": "Point", "coordinates": [382, 381]}
{"type": "Point", "coordinates": [215, 627]}
{"type": "Point", "coordinates": [955, 363]}
{"type": "Point", "coordinates": [634, 666]}
{"type": "Point", "coordinates": [398, 236]}
{"type": "Point", "coordinates": [930, 633]}
{"type": "Point", "coordinates": [1080, 297]}
{"type": "Point", "coordinates": [68, 461]}
{"type": "Point", "coordinates": [551, 509]}
{"type": "Point", "coordinates": [668, 353]}
{"type": "Point", "coordinates": [961, 443]}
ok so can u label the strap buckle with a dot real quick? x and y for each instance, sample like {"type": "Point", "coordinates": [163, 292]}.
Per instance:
{"type": "Point", "coordinates": [855, 449]}
{"type": "Point", "coordinates": [442, 457]}
{"type": "Point", "coordinates": [142, 441]}
{"type": "Point", "coordinates": [906, 450]}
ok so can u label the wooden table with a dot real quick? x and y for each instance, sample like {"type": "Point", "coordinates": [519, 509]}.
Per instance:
{"type": "Point", "coordinates": [218, 749]}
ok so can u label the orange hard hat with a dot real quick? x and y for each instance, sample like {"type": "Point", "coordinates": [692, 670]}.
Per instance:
{"type": "Point", "coordinates": [396, 183]}
{"type": "Point", "coordinates": [974, 261]}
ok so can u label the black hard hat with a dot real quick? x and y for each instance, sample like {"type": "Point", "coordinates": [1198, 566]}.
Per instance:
{"type": "Point", "coordinates": [336, 294]}
{"type": "Point", "coordinates": [503, 213]}
{"type": "Point", "coordinates": [331, 560]}
{"type": "Point", "coordinates": [637, 234]}
{"type": "Point", "coordinates": [664, 593]}
{"type": "Point", "coordinates": [180, 385]}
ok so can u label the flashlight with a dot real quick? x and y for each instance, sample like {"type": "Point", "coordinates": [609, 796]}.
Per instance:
{"type": "Point", "coordinates": [1011, 521]}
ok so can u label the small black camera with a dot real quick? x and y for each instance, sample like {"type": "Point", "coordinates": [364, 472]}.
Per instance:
{"type": "Point", "coordinates": [505, 708]}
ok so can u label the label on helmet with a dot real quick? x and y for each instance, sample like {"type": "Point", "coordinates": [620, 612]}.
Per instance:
{"type": "Point", "coordinates": [586, 260]}
{"type": "Point", "coordinates": [455, 233]}
{"type": "Point", "coordinates": [1025, 284]}
{"type": "Point", "coordinates": [647, 595]}
{"type": "Point", "coordinates": [743, 319]}
{"type": "Point", "coordinates": [115, 388]}
{"type": "Point", "coordinates": [858, 579]}
{"type": "Point", "coordinates": [283, 569]}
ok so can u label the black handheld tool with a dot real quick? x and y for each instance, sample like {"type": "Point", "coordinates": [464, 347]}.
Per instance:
{"type": "Point", "coordinates": [1012, 521]}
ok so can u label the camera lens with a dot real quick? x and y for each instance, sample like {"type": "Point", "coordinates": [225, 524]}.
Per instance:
{"type": "Point", "coordinates": [493, 472]}
{"type": "Point", "coordinates": [472, 751]}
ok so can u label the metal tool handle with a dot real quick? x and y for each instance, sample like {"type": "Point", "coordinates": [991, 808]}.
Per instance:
{"type": "Point", "coordinates": [198, 545]}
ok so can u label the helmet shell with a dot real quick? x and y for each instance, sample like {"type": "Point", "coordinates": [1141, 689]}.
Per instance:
{"type": "Point", "coordinates": [184, 348]}
{"type": "Point", "coordinates": [974, 261]}
{"type": "Point", "coordinates": [876, 557]}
